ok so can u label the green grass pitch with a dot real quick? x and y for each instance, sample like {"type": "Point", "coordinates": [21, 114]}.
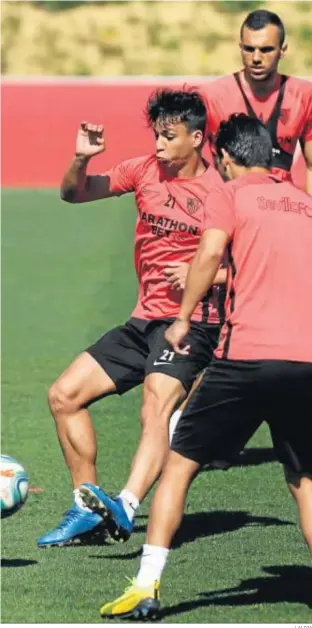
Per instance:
{"type": "Point", "coordinates": [67, 277]}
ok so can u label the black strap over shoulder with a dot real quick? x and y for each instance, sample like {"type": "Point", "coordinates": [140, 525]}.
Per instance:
{"type": "Point", "coordinates": [281, 158]}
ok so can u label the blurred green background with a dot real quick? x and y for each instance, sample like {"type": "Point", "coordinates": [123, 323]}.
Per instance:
{"type": "Point", "coordinates": [57, 37]}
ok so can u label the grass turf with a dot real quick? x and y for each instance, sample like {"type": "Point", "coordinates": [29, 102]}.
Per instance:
{"type": "Point", "coordinates": [239, 557]}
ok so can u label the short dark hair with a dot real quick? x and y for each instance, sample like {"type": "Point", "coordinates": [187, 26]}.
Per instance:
{"type": "Point", "coordinates": [183, 105]}
{"type": "Point", "coordinates": [246, 140]}
{"type": "Point", "coordinates": [256, 20]}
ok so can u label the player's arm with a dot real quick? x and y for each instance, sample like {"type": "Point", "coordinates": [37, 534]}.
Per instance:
{"type": "Point", "coordinates": [203, 270]}
{"type": "Point", "coordinates": [221, 276]}
{"type": "Point", "coordinates": [307, 153]}
{"type": "Point", "coordinates": [200, 277]}
{"type": "Point", "coordinates": [76, 186]}
{"type": "Point", "coordinates": [219, 227]}
{"type": "Point", "coordinates": [306, 140]}
{"type": "Point", "coordinates": [79, 187]}
{"type": "Point", "coordinates": [176, 273]}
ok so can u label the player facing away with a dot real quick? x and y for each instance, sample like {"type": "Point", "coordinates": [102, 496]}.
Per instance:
{"type": "Point", "coordinates": [171, 187]}
{"type": "Point", "coordinates": [282, 103]}
{"type": "Point", "coordinates": [263, 362]}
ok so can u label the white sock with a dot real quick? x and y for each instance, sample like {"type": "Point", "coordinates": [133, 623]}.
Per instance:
{"type": "Point", "coordinates": [173, 423]}
{"type": "Point", "coordinates": [130, 503]}
{"type": "Point", "coordinates": [152, 565]}
{"type": "Point", "coordinates": [79, 501]}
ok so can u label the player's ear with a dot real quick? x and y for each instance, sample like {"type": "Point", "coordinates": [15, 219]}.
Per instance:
{"type": "Point", "coordinates": [223, 165]}
{"type": "Point", "coordinates": [283, 50]}
{"type": "Point", "coordinates": [225, 157]}
{"type": "Point", "coordinates": [198, 138]}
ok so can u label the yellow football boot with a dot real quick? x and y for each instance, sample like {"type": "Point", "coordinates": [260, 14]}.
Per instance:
{"type": "Point", "coordinates": [137, 602]}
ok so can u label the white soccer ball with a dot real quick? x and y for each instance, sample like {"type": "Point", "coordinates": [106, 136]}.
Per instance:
{"type": "Point", "coordinates": [13, 486]}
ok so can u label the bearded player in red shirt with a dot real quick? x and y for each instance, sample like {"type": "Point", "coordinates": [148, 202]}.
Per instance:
{"type": "Point", "coordinates": [282, 103]}
{"type": "Point", "coordinates": [171, 188]}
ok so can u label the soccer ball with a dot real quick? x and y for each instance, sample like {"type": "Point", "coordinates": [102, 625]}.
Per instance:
{"type": "Point", "coordinates": [13, 486]}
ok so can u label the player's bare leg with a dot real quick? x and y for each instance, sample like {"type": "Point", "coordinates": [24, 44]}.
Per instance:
{"type": "Point", "coordinates": [142, 599]}
{"type": "Point", "coordinates": [83, 382]}
{"type": "Point", "coordinates": [168, 502]}
{"type": "Point", "coordinates": [161, 394]}
{"type": "Point", "coordinates": [300, 486]}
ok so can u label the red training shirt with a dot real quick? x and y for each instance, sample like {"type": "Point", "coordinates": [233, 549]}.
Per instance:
{"type": "Point", "coordinates": [287, 115]}
{"type": "Point", "coordinates": [268, 308]}
{"type": "Point", "coordinates": [169, 225]}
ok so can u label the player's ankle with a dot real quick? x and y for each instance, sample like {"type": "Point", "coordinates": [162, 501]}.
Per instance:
{"type": "Point", "coordinates": [130, 503]}
{"type": "Point", "coordinates": [153, 562]}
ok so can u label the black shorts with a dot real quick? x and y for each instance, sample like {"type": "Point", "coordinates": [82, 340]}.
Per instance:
{"type": "Point", "coordinates": [232, 400]}
{"type": "Point", "coordinates": [134, 350]}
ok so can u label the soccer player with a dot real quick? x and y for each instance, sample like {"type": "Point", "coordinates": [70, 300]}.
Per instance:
{"type": "Point", "coordinates": [263, 363]}
{"type": "Point", "coordinates": [170, 188]}
{"type": "Point", "coordinates": [282, 103]}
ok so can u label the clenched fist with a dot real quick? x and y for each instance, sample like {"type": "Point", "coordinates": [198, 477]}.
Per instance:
{"type": "Point", "coordinates": [90, 140]}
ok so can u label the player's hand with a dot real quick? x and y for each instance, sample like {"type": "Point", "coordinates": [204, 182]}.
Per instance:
{"type": "Point", "coordinates": [175, 335]}
{"type": "Point", "coordinates": [90, 140]}
{"type": "Point", "coordinates": [175, 273]}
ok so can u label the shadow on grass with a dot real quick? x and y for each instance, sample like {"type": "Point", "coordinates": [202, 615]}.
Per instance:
{"type": "Point", "coordinates": [17, 562]}
{"type": "Point", "coordinates": [202, 524]}
{"type": "Point", "coordinates": [205, 524]}
{"type": "Point", "coordinates": [284, 583]}
{"type": "Point", "coordinates": [129, 556]}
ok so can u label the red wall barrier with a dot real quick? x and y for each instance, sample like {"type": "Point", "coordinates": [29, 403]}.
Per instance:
{"type": "Point", "coordinates": [39, 124]}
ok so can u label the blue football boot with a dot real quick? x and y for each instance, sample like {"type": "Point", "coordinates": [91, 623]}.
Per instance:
{"type": "Point", "coordinates": [117, 524]}
{"type": "Point", "coordinates": [77, 525]}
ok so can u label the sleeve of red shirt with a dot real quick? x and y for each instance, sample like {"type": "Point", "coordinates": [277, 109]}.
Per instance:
{"type": "Point", "coordinates": [307, 131]}
{"type": "Point", "coordinates": [124, 177]}
{"type": "Point", "coordinates": [219, 211]}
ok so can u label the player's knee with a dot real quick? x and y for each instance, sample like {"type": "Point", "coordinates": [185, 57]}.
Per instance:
{"type": "Point", "coordinates": [176, 466]}
{"type": "Point", "coordinates": [297, 480]}
{"type": "Point", "coordinates": [299, 485]}
{"type": "Point", "coordinates": [61, 400]}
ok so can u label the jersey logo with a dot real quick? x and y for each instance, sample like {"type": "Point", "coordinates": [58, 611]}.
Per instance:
{"type": "Point", "coordinates": [156, 363]}
{"type": "Point", "coordinates": [284, 115]}
{"type": "Point", "coordinates": [193, 205]}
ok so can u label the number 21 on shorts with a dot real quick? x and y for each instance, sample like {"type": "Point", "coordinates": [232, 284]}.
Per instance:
{"type": "Point", "coordinates": [166, 357]}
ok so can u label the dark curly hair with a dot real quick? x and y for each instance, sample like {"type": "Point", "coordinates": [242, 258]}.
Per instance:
{"type": "Point", "coordinates": [246, 140]}
{"type": "Point", "coordinates": [173, 105]}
